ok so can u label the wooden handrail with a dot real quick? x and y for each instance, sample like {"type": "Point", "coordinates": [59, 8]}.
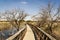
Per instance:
{"type": "Point", "coordinates": [50, 37]}
{"type": "Point", "coordinates": [16, 34]}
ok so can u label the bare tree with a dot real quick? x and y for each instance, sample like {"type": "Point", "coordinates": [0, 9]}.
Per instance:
{"type": "Point", "coordinates": [46, 17]}
{"type": "Point", "coordinates": [14, 16]}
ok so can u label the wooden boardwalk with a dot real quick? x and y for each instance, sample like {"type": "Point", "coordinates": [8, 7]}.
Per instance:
{"type": "Point", "coordinates": [33, 33]}
{"type": "Point", "coordinates": [29, 34]}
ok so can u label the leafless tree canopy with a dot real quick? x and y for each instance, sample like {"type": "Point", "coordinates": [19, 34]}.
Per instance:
{"type": "Point", "coordinates": [14, 16]}
{"type": "Point", "coordinates": [47, 15]}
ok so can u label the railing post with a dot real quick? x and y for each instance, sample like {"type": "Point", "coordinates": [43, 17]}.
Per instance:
{"type": "Point", "coordinates": [47, 38]}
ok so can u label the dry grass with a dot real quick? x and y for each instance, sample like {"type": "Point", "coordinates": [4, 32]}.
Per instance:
{"type": "Point", "coordinates": [56, 30]}
{"type": "Point", "coordinates": [4, 25]}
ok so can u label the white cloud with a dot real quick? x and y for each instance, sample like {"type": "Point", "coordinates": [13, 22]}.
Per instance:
{"type": "Point", "coordinates": [24, 2]}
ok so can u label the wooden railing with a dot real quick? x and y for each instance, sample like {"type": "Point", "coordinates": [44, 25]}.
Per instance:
{"type": "Point", "coordinates": [40, 34]}
{"type": "Point", "coordinates": [45, 36]}
{"type": "Point", "coordinates": [19, 35]}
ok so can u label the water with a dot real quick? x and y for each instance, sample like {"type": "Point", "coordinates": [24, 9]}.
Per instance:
{"type": "Point", "coordinates": [7, 33]}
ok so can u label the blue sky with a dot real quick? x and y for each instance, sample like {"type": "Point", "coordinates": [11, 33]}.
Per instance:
{"type": "Point", "coordinates": [30, 6]}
